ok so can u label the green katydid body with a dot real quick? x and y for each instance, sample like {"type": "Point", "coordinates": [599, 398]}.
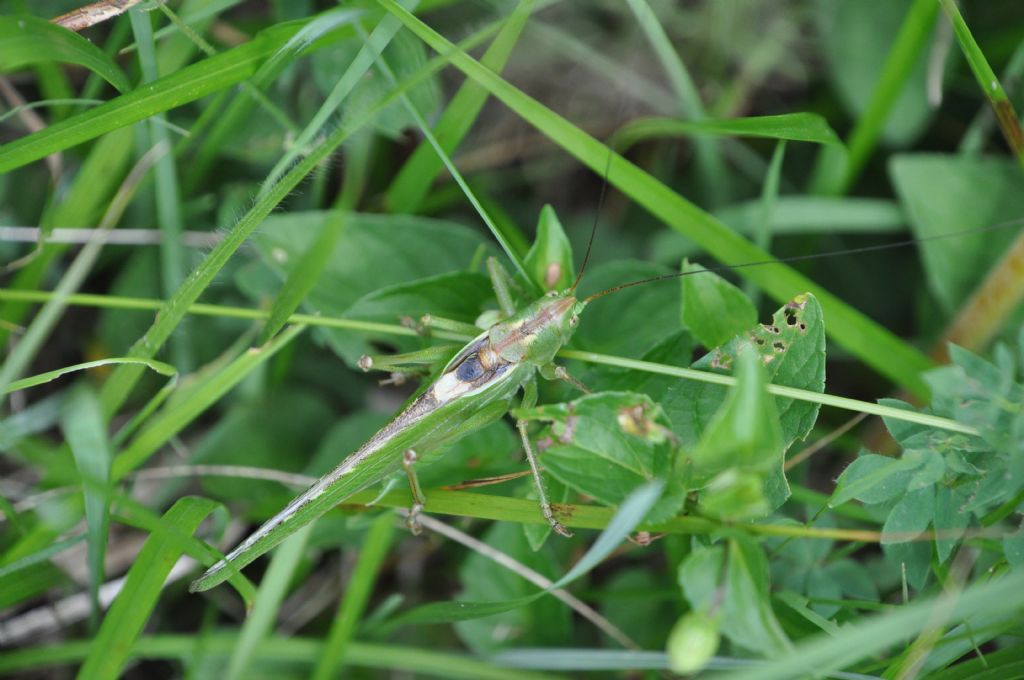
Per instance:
{"type": "Point", "coordinates": [475, 388]}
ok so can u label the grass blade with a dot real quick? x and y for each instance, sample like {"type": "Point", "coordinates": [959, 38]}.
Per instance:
{"type": "Point", "coordinates": [172, 419]}
{"type": "Point", "coordinates": [27, 40]}
{"type": "Point", "coordinates": [187, 85]}
{"type": "Point", "coordinates": [993, 90]}
{"type": "Point", "coordinates": [131, 609]}
{"type": "Point", "coordinates": [499, 233]}
{"type": "Point", "coordinates": [357, 594]}
{"type": "Point", "coordinates": [868, 637]}
{"type": "Point", "coordinates": [268, 601]}
{"type": "Point", "coordinates": [117, 388]}
{"type": "Point", "coordinates": [83, 204]}
{"type": "Point", "coordinates": [43, 378]}
{"type": "Point", "coordinates": [85, 431]}
{"type": "Point", "coordinates": [411, 184]}
{"type": "Point", "coordinates": [796, 127]}
{"type": "Point", "coordinates": [51, 312]}
{"type": "Point", "coordinates": [422, 662]}
{"type": "Point", "coordinates": [874, 345]}
{"type": "Point", "coordinates": [379, 39]}
{"type": "Point", "coordinates": [709, 158]}
{"type": "Point", "coordinates": [168, 197]}
{"type": "Point", "coordinates": [833, 176]}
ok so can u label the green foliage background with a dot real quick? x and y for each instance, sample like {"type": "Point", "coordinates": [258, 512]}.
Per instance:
{"type": "Point", "coordinates": [271, 190]}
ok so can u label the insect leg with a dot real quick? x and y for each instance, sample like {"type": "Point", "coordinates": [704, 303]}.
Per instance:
{"type": "Point", "coordinates": [556, 372]}
{"type": "Point", "coordinates": [529, 399]}
{"type": "Point", "coordinates": [429, 322]}
{"type": "Point", "coordinates": [410, 362]}
{"type": "Point", "coordinates": [409, 459]}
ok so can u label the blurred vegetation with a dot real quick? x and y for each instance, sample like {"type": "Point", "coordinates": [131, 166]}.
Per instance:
{"type": "Point", "coordinates": [211, 210]}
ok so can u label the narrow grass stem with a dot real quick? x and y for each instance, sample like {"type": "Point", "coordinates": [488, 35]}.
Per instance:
{"type": "Point", "coordinates": [117, 302]}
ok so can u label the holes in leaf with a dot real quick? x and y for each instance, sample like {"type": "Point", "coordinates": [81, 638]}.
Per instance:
{"type": "Point", "coordinates": [779, 346]}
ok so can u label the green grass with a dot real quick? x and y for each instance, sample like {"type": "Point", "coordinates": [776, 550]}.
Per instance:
{"type": "Point", "coordinates": [358, 168]}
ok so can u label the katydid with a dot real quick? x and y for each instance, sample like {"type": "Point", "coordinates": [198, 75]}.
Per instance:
{"type": "Point", "coordinates": [475, 388]}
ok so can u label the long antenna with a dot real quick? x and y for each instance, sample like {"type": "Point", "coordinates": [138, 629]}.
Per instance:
{"type": "Point", "coordinates": [813, 256]}
{"type": "Point", "coordinates": [597, 218]}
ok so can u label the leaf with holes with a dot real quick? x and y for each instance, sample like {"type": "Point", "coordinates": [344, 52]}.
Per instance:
{"type": "Point", "coordinates": [792, 349]}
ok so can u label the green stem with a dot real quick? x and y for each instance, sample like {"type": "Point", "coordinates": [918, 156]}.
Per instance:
{"type": "Point", "coordinates": [1009, 123]}
{"type": "Point", "coordinates": [115, 302]}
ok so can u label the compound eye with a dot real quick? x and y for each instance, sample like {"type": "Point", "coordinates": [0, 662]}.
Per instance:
{"type": "Point", "coordinates": [470, 369]}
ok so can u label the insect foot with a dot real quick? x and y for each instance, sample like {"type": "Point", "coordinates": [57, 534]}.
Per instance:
{"type": "Point", "coordinates": [409, 459]}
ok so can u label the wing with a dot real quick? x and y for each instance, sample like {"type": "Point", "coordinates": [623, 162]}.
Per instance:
{"type": "Point", "coordinates": [450, 408]}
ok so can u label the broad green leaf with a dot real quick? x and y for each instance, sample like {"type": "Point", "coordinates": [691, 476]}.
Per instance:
{"type": "Point", "coordinates": [606, 445]}
{"type": "Point", "coordinates": [699, 576]}
{"type": "Point", "coordinates": [353, 284]}
{"type": "Point", "coordinates": [325, 67]}
{"type": "Point", "coordinates": [406, 55]}
{"type": "Point", "coordinates": [458, 296]}
{"type": "Point", "coordinates": [629, 322]}
{"type": "Point", "coordinates": [797, 127]}
{"type": "Point", "coordinates": [741, 599]}
{"type": "Point", "coordinates": [633, 599]}
{"type": "Point", "coordinates": [713, 309]}
{"type": "Point", "coordinates": [134, 604]}
{"type": "Point", "coordinates": [85, 431]}
{"type": "Point", "coordinates": [692, 642]}
{"type": "Point", "coordinates": [874, 479]}
{"type": "Point", "coordinates": [946, 194]}
{"type": "Point", "coordinates": [549, 260]}
{"type": "Point", "coordinates": [309, 265]}
{"type": "Point", "coordinates": [1013, 546]}
{"type": "Point", "coordinates": [737, 495]}
{"type": "Point", "coordinates": [910, 516]}
{"type": "Point", "coordinates": [950, 520]}
{"type": "Point", "coordinates": [977, 392]}
{"type": "Point", "coordinates": [27, 40]}
{"type": "Point", "coordinates": [747, 616]}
